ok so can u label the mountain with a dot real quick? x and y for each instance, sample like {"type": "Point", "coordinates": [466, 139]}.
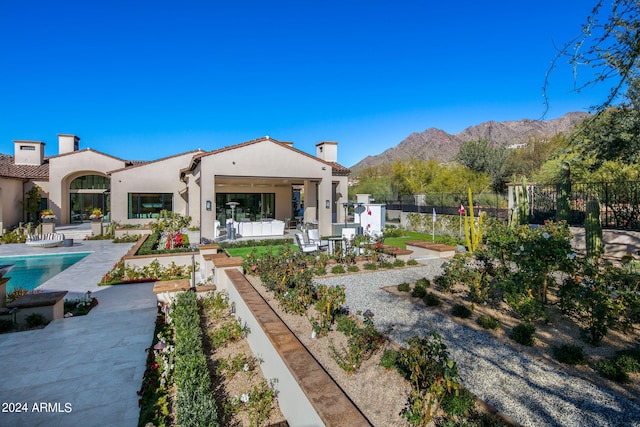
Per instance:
{"type": "Point", "coordinates": [438, 145]}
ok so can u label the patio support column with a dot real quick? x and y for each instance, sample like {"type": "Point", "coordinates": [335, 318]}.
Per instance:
{"type": "Point", "coordinates": [310, 201]}
{"type": "Point", "coordinates": [207, 218]}
{"type": "Point", "coordinates": [325, 194]}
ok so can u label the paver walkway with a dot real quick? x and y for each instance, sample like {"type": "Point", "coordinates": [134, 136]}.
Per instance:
{"type": "Point", "coordinates": [81, 371]}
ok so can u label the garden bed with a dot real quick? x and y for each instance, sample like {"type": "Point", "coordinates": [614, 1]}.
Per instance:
{"type": "Point", "coordinates": [557, 331]}
{"type": "Point", "coordinates": [381, 394]}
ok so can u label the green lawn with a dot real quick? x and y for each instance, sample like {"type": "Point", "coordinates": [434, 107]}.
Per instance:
{"type": "Point", "coordinates": [261, 250]}
{"type": "Point", "coordinates": [399, 242]}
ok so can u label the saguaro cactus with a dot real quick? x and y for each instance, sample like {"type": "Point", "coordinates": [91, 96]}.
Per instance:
{"type": "Point", "coordinates": [563, 206]}
{"type": "Point", "coordinates": [519, 213]}
{"type": "Point", "coordinates": [523, 205]}
{"type": "Point", "coordinates": [593, 229]}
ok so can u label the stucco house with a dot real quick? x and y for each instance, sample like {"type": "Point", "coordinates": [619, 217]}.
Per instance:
{"type": "Point", "coordinates": [263, 178]}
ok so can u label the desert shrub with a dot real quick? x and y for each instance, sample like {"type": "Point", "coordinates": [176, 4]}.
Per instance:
{"type": "Point", "coordinates": [389, 359]}
{"type": "Point", "coordinates": [412, 262]}
{"type": "Point", "coordinates": [320, 270]}
{"type": "Point", "coordinates": [488, 322]}
{"type": "Point", "coordinates": [599, 299]}
{"type": "Point", "coordinates": [459, 404]}
{"type": "Point", "coordinates": [398, 263]}
{"type": "Point", "coordinates": [35, 319]}
{"type": "Point", "coordinates": [404, 287]}
{"type": "Point", "coordinates": [619, 367]}
{"type": "Point", "coordinates": [5, 325]}
{"type": "Point", "coordinates": [570, 354]}
{"type": "Point", "coordinates": [226, 332]}
{"type": "Point", "coordinates": [608, 369]}
{"type": "Point", "coordinates": [432, 300]}
{"type": "Point", "coordinates": [127, 238]}
{"type": "Point", "coordinates": [393, 232]}
{"type": "Point", "coordinates": [425, 363]}
{"type": "Point", "coordinates": [528, 308]}
{"type": "Point", "coordinates": [14, 237]}
{"type": "Point", "coordinates": [370, 266]}
{"type": "Point", "coordinates": [628, 363]}
{"type": "Point", "coordinates": [462, 311]}
{"type": "Point", "coordinates": [362, 342]}
{"type": "Point", "coordinates": [523, 334]}
{"type": "Point", "coordinates": [424, 282]}
{"type": "Point", "coordinates": [329, 300]}
{"type": "Point", "coordinates": [383, 263]}
{"type": "Point", "coordinates": [454, 272]}
{"type": "Point", "coordinates": [337, 269]}
{"type": "Point", "coordinates": [353, 269]}
{"type": "Point", "coordinates": [418, 291]}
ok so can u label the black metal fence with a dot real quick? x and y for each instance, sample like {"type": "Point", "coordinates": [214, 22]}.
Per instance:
{"type": "Point", "coordinates": [619, 203]}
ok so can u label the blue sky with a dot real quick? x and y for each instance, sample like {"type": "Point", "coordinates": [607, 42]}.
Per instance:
{"type": "Point", "coordinates": [142, 80]}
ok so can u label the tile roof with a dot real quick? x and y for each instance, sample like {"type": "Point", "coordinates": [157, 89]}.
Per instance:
{"type": "Point", "coordinates": [8, 169]}
{"type": "Point", "coordinates": [337, 168]}
{"type": "Point", "coordinates": [137, 163]}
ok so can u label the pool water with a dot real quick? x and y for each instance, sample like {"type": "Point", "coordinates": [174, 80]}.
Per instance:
{"type": "Point", "coordinates": [29, 272]}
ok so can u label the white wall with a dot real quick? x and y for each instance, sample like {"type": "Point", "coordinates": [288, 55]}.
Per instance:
{"type": "Point", "coordinates": [162, 176]}
{"type": "Point", "coordinates": [65, 168]}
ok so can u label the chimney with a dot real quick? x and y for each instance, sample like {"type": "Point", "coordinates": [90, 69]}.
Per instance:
{"type": "Point", "coordinates": [67, 143]}
{"type": "Point", "coordinates": [327, 151]}
{"type": "Point", "coordinates": [28, 152]}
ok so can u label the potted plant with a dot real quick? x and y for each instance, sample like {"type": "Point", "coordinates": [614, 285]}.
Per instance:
{"type": "Point", "coordinates": [96, 215]}
{"type": "Point", "coordinates": [47, 216]}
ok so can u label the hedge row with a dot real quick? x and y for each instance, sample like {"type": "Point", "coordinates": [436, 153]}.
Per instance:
{"type": "Point", "coordinates": [195, 404]}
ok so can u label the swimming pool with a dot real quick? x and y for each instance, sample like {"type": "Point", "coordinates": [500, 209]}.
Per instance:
{"type": "Point", "coordinates": [31, 271]}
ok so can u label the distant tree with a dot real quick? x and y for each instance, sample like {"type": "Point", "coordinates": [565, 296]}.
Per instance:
{"type": "Point", "coordinates": [483, 157]}
{"type": "Point", "coordinates": [412, 176]}
{"type": "Point", "coordinates": [378, 187]}
{"type": "Point", "coordinates": [527, 161]}
{"type": "Point", "coordinates": [455, 178]}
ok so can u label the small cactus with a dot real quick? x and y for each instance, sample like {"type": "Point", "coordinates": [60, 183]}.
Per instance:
{"type": "Point", "coordinates": [563, 206]}
{"type": "Point", "coordinates": [519, 213]}
{"type": "Point", "coordinates": [593, 230]}
{"type": "Point", "coordinates": [523, 206]}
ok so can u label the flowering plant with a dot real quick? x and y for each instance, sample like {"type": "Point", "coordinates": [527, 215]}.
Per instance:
{"type": "Point", "coordinates": [47, 213]}
{"type": "Point", "coordinates": [96, 213]}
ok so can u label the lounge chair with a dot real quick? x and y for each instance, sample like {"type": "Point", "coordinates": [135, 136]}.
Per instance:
{"type": "Point", "coordinates": [50, 240]}
{"type": "Point", "coordinates": [305, 247]}
{"type": "Point", "coordinates": [314, 237]}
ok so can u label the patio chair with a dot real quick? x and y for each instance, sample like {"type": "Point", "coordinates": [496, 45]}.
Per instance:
{"type": "Point", "coordinates": [305, 247]}
{"type": "Point", "coordinates": [313, 234]}
{"type": "Point", "coordinates": [348, 233]}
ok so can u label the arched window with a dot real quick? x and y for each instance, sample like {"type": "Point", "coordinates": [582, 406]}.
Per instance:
{"type": "Point", "coordinates": [87, 193]}
{"type": "Point", "coordinates": [90, 182]}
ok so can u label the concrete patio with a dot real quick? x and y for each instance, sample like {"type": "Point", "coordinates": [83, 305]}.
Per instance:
{"type": "Point", "coordinates": [81, 371]}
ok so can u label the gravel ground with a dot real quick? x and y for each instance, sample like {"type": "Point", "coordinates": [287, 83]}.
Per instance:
{"type": "Point", "coordinates": [529, 391]}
